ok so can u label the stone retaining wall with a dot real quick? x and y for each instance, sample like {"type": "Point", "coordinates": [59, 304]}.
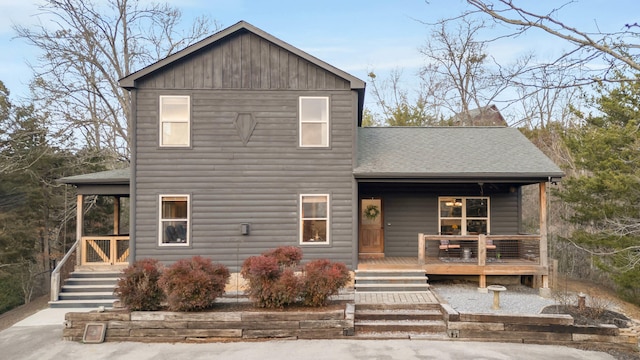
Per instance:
{"type": "Point", "coordinates": [545, 329]}
{"type": "Point", "coordinates": [178, 326]}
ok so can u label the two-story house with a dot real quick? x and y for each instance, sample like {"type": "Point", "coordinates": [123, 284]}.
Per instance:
{"type": "Point", "coordinates": [242, 143]}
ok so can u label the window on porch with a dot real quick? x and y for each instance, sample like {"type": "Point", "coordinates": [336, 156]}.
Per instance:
{"type": "Point", "coordinates": [463, 215]}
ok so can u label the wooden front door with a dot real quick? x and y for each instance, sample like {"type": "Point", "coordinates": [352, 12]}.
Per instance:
{"type": "Point", "coordinates": [371, 242]}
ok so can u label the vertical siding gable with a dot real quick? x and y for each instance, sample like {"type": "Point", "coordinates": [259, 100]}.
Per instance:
{"type": "Point", "coordinates": [243, 61]}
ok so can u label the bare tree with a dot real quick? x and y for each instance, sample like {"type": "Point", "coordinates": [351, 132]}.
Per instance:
{"type": "Point", "coordinates": [86, 47]}
{"type": "Point", "coordinates": [614, 53]}
{"type": "Point", "coordinates": [459, 70]}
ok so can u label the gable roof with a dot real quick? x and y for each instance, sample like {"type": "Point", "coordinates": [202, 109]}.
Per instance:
{"type": "Point", "coordinates": [129, 82]}
{"type": "Point", "coordinates": [455, 154]}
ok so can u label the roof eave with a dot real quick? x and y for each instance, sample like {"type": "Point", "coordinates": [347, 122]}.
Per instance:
{"type": "Point", "coordinates": [461, 178]}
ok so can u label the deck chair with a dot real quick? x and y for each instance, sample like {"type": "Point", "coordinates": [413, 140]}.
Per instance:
{"type": "Point", "coordinates": [445, 245]}
{"type": "Point", "coordinates": [490, 245]}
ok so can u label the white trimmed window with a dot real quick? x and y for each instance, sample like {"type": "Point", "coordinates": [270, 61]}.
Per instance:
{"type": "Point", "coordinates": [314, 219]}
{"type": "Point", "coordinates": [174, 220]}
{"type": "Point", "coordinates": [463, 215]}
{"type": "Point", "coordinates": [175, 121]}
{"type": "Point", "coordinates": [314, 121]}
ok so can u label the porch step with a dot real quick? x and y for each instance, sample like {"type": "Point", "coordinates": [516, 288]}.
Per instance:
{"type": "Point", "coordinates": [88, 289]}
{"type": "Point", "coordinates": [81, 303]}
{"type": "Point", "coordinates": [391, 281]}
{"type": "Point", "coordinates": [374, 322]}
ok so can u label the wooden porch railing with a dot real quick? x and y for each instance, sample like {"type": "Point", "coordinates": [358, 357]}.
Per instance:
{"type": "Point", "coordinates": [502, 247]}
{"type": "Point", "coordinates": [105, 250]}
{"type": "Point", "coordinates": [62, 271]}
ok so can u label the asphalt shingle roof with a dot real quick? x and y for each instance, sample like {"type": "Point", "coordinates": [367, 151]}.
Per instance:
{"type": "Point", "coordinates": [450, 152]}
{"type": "Point", "coordinates": [119, 176]}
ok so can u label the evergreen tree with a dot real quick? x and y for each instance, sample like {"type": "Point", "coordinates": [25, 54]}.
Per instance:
{"type": "Point", "coordinates": [605, 198]}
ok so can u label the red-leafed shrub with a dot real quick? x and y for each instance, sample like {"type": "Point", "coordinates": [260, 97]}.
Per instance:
{"type": "Point", "coordinates": [193, 284]}
{"type": "Point", "coordinates": [270, 285]}
{"type": "Point", "coordinates": [138, 287]}
{"type": "Point", "coordinates": [288, 256]}
{"type": "Point", "coordinates": [273, 283]}
{"type": "Point", "coordinates": [321, 279]}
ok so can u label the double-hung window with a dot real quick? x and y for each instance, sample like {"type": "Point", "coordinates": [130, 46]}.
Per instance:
{"type": "Point", "coordinates": [174, 220]}
{"type": "Point", "coordinates": [463, 215]}
{"type": "Point", "coordinates": [175, 121]}
{"type": "Point", "coordinates": [314, 219]}
{"type": "Point", "coordinates": [314, 121]}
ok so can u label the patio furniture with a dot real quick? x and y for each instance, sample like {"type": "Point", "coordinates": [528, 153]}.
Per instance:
{"type": "Point", "coordinates": [445, 245]}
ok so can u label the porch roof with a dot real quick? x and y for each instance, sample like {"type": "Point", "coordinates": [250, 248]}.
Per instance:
{"type": "Point", "coordinates": [463, 154]}
{"type": "Point", "coordinates": [110, 182]}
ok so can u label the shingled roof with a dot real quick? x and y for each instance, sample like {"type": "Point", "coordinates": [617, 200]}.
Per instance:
{"type": "Point", "coordinates": [455, 154]}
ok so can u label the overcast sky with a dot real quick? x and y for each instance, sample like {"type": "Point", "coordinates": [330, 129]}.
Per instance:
{"type": "Point", "coordinates": [356, 36]}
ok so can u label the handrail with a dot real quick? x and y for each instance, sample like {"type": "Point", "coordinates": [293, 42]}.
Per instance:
{"type": "Point", "coordinates": [55, 274]}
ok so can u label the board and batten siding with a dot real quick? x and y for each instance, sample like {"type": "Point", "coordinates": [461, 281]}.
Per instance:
{"type": "Point", "coordinates": [258, 183]}
{"type": "Point", "coordinates": [244, 61]}
{"type": "Point", "coordinates": [410, 209]}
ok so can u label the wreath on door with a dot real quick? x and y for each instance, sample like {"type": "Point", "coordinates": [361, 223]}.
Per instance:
{"type": "Point", "coordinates": [371, 212]}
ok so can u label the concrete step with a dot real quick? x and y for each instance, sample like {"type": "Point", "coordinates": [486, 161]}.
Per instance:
{"type": "Point", "coordinates": [397, 314]}
{"type": "Point", "coordinates": [392, 280]}
{"type": "Point", "coordinates": [91, 281]}
{"type": "Point", "coordinates": [87, 296]}
{"type": "Point", "coordinates": [88, 288]}
{"type": "Point", "coordinates": [400, 326]}
{"type": "Point", "coordinates": [96, 274]}
{"type": "Point", "coordinates": [384, 273]}
{"type": "Point", "coordinates": [385, 287]}
{"type": "Point", "coordinates": [399, 306]}
{"type": "Point", "coordinates": [107, 303]}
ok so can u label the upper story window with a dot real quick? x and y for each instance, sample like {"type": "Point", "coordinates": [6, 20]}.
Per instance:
{"type": "Point", "coordinates": [175, 121]}
{"type": "Point", "coordinates": [314, 121]}
{"type": "Point", "coordinates": [174, 220]}
{"type": "Point", "coordinates": [463, 215]}
{"type": "Point", "coordinates": [314, 219]}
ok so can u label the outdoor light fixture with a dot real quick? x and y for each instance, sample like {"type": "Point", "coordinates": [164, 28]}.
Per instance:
{"type": "Point", "coordinates": [245, 228]}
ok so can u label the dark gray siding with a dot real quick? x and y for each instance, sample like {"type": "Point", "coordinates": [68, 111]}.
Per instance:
{"type": "Point", "coordinates": [410, 209]}
{"type": "Point", "coordinates": [231, 183]}
{"type": "Point", "coordinates": [244, 61]}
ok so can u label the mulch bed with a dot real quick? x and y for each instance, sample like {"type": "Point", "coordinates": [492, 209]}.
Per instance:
{"type": "Point", "coordinates": [589, 316]}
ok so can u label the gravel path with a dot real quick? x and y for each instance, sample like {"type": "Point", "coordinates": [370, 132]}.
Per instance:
{"type": "Point", "coordinates": [517, 299]}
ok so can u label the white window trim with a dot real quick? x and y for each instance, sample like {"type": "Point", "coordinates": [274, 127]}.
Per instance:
{"type": "Point", "coordinates": [463, 218]}
{"type": "Point", "coordinates": [160, 219]}
{"type": "Point", "coordinates": [161, 122]}
{"type": "Point", "coordinates": [301, 219]}
{"type": "Point", "coordinates": [300, 122]}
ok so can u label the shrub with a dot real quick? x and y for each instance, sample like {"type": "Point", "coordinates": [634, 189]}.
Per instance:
{"type": "Point", "coordinates": [194, 284]}
{"type": "Point", "coordinates": [322, 278]}
{"type": "Point", "coordinates": [270, 286]}
{"type": "Point", "coordinates": [138, 287]}
{"type": "Point", "coordinates": [287, 256]}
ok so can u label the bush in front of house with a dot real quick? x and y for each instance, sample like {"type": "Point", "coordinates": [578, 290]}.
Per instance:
{"type": "Point", "coordinates": [138, 288]}
{"type": "Point", "coordinates": [193, 284]}
{"type": "Point", "coordinates": [274, 283]}
{"type": "Point", "coordinates": [271, 285]}
{"type": "Point", "coordinates": [321, 279]}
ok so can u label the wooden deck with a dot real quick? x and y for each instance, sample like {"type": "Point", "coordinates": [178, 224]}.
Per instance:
{"type": "Point", "coordinates": [456, 266]}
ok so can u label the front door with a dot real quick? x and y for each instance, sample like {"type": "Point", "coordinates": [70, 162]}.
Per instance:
{"type": "Point", "coordinates": [371, 242]}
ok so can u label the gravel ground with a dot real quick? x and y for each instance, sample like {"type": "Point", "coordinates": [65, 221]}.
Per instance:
{"type": "Point", "coordinates": [517, 299]}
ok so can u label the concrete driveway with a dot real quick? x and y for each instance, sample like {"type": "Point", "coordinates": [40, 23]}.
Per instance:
{"type": "Point", "coordinates": [39, 337]}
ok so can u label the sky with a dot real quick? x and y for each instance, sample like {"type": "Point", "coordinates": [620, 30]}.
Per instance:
{"type": "Point", "coordinates": [357, 36]}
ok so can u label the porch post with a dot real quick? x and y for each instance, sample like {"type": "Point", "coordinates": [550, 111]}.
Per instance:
{"type": "Point", "coordinates": [79, 228]}
{"type": "Point", "coordinates": [116, 215]}
{"type": "Point", "coordinates": [544, 260]}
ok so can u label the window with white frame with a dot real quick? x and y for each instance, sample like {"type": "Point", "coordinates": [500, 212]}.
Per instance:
{"type": "Point", "coordinates": [174, 220]}
{"type": "Point", "coordinates": [314, 219]}
{"type": "Point", "coordinates": [463, 215]}
{"type": "Point", "coordinates": [175, 121]}
{"type": "Point", "coordinates": [314, 121]}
